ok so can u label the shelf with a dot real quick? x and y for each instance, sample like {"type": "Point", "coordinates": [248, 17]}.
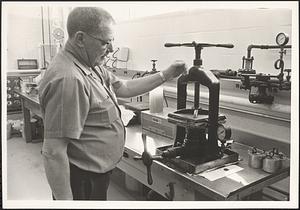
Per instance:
{"type": "Point", "coordinates": [26, 72]}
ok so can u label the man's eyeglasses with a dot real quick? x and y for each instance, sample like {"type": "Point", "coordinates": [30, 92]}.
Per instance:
{"type": "Point", "coordinates": [103, 42]}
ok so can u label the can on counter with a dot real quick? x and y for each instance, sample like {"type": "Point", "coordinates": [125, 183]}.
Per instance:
{"type": "Point", "coordinates": [255, 158]}
{"type": "Point", "coordinates": [273, 161]}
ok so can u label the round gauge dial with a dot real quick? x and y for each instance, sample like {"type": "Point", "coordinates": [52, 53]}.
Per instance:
{"type": "Point", "coordinates": [223, 132]}
{"type": "Point", "coordinates": [282, 39]}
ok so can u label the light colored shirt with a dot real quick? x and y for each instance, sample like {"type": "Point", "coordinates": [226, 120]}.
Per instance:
{"type": "Point", "coordinates": [76, 105]}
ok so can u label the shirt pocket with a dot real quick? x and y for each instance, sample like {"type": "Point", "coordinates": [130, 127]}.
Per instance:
{"type": "Point", "coordinates": [107, 113]}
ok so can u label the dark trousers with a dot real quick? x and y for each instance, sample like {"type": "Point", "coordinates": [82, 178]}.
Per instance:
{"type": "Point", "coordinates": [88, 185]}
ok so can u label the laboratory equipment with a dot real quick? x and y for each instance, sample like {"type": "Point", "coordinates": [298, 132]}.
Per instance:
{"type": "Point", "coordinates": [202, 140]}
{"type": "Point", "coordinates": [25, 64]}
{"type": "Point", "coordinates": [153, 70]}
{"type": "Point", "coordinates": [261, 86]}
{"type": "Point", "coordinates": [13, 99]}
{"type": "Point", "coordinates": [255, 157]}
{"type": "Point", "coordinates": [273, 161]}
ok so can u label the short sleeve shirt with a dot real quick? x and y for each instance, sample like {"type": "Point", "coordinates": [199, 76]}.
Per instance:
{"type": "Point", "coordinates": [77, 104]}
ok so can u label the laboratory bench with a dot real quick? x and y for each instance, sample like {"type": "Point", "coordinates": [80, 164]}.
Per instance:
{"type": "Point", "coordinates": [30, 105]}
{"type": "Point", "coordinates": [173, 184]}
{"type": "Point", "coordinates": [14, 82]}
{"type": "Point", "coordinates": [176, 185]}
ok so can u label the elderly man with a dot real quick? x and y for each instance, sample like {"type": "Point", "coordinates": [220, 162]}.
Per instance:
{"type": "Point", "coordinates": [84, 135]}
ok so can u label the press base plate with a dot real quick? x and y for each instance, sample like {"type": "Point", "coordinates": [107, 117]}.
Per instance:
{"type": "Point", "coordinates": [198, 164]}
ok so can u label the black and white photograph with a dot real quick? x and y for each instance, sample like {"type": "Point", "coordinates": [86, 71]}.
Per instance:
{"type": "Point", "coordinates": [150, 104]}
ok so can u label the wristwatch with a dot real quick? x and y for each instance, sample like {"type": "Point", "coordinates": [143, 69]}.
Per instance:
{"type": "Point", "coordinates": [162, 76]}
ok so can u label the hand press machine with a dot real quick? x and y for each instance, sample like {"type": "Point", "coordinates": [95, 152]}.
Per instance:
{"type": "Point", "coordinates": [201, 135]}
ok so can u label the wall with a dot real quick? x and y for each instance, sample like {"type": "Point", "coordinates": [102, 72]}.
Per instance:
{"type": "Point", "coordinates": [23, 30]}
{"type": "Point", "coordinates": [23, 34]}
{"type": "Point", "coordinates": [146, 37]}
{"type": "Point", "coordinates": [23, 24]}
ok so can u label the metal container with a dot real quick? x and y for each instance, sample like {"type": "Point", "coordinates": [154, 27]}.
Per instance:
{"type": "Point", "coordinates": [273, 162]}
{"type": "Point", "coordinates": [255, 158]}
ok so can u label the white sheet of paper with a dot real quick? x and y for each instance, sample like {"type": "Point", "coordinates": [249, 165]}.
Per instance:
{"type": "Point", "coordinates": [237, 178]}
{"type": "Point", "coordinates": [126, 115]}
{"type": "Point", "coordinates": [220, 172]}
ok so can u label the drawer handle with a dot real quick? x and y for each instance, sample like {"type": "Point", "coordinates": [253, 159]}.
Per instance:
{"type": "Point", "coordinates": [170, 195]}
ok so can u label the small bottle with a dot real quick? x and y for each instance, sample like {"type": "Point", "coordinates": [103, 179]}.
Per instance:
{"type": "Point", "coordinates": [156, 100]}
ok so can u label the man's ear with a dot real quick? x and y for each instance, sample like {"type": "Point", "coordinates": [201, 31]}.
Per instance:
{"type": "Point", "coordinates": [79, 38]}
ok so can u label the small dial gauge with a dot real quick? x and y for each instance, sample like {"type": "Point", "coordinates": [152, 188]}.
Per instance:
{"type": "Point", "coordinates": [282, 39]}
{"type": "Point", "coordinates": [224, 132]}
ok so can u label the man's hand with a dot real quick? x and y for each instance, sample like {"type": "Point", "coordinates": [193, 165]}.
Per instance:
{"type": "Point", "coordinates": [175, 69]}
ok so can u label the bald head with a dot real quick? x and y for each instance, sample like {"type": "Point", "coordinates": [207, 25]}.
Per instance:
{"type": "Point", "coordinates": [91, 20]}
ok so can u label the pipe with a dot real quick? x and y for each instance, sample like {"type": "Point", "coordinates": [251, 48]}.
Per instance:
{"type": "Point", "coordinates": [49, 33]}
{"type": "Point", "coordinates": [264, 47]}
{"type": "Point", "coordinates": [43, 38]}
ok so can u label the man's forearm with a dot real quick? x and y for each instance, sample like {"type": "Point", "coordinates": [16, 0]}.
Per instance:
{"type": "Point", "coordinates": [57, 168]}
{"type": "Point", "coordinates": [58, 175]}
{"type": "Point", "coordinates": [130, 88]}
{"type": "Point", "coordinates": [139, 86]}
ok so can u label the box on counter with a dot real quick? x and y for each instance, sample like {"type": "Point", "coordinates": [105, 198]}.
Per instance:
{"type": "Point", "coordinates": [158, 122]}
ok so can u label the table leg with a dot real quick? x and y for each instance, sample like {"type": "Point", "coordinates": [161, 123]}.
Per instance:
{"type": "Point", "coordinates": [257, 196]}
{"type": "Point", "coordinates": [27, 124]}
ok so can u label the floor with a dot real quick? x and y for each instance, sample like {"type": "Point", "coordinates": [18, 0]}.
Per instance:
{"type": "Point", "coordinates": [26, 178]}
